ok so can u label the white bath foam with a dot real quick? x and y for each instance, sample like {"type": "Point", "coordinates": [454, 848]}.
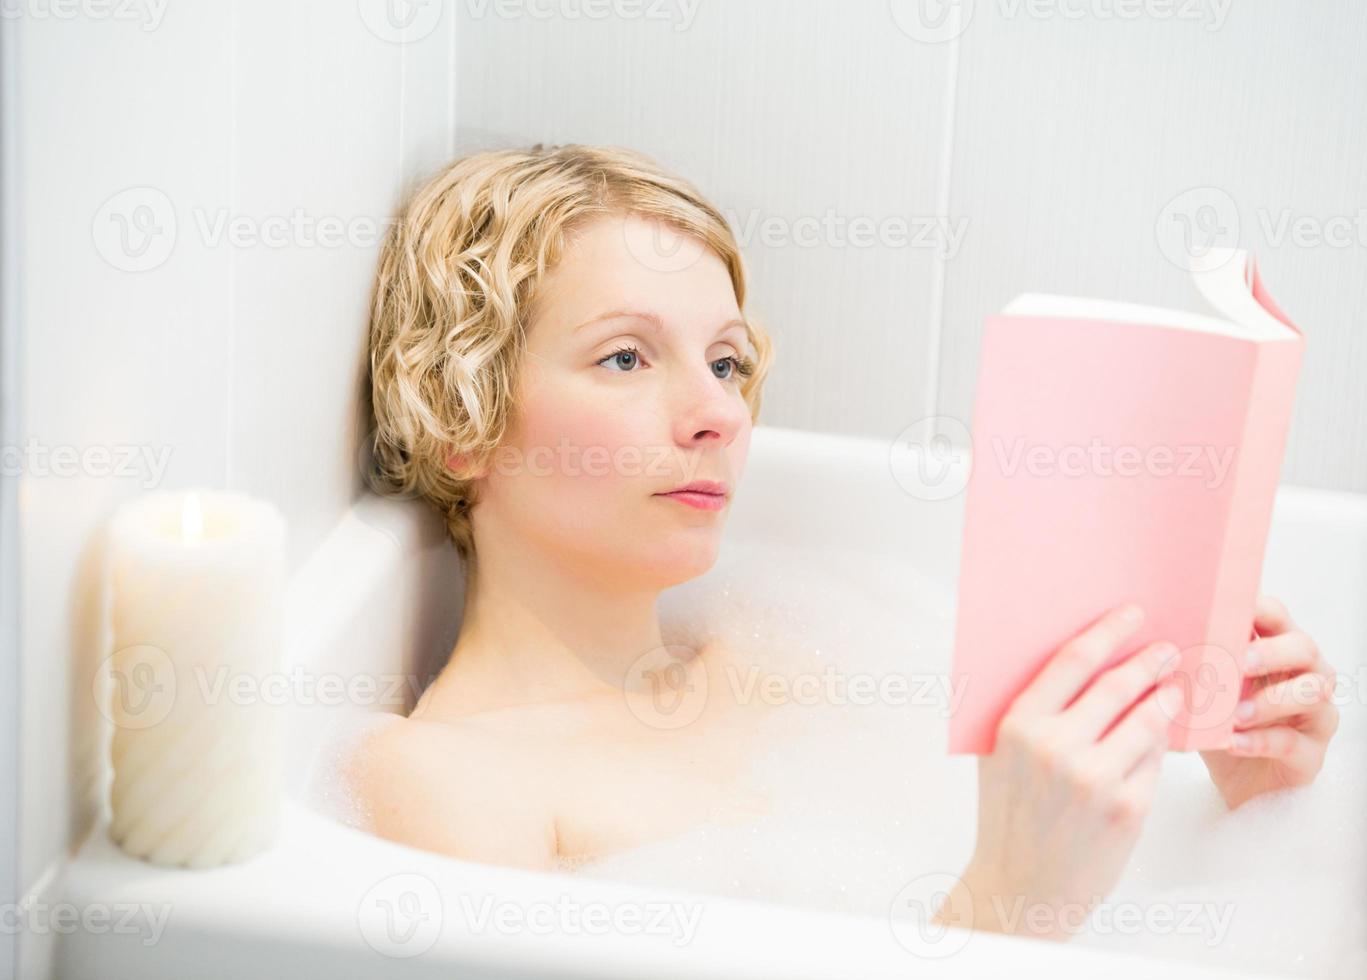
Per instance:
{"type": "Point", "coordinates": [865, 797]}
{"type": "Point", "coordinates": [327, 789]}
{"type": "Point", "coordinates": [1272, 886]}
{"type": "Point", "coordinates": [778, 604]}
{"type": "Point", "coordinates": [856, 769]}
{"type": "Point", "coordinates": [1281, 877]}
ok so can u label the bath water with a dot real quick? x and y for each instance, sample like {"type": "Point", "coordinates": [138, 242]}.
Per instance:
{"type": "Point", "coordinates": [864, 797]}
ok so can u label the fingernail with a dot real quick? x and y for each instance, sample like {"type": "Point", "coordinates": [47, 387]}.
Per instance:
{"type": "Point", "coordinates": [1244, 711]}
{"type": "Point", "coordinates": [1250, 658]}
{"type": "Point", "coordinates": [1239, 743]}
{"type": "Point", "coordinates": [1132, 614]}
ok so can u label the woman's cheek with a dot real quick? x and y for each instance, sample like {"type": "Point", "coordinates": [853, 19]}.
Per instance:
{"type": "Point", "coordinates": [594, 445]}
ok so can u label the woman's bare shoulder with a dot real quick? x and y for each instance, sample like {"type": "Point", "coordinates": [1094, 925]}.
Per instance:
{"type": "Point", "coordinates": [454, 788]}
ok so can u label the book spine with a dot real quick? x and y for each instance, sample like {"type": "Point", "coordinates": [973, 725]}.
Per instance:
{"type": "Point", "coordinates": [1208, 719]}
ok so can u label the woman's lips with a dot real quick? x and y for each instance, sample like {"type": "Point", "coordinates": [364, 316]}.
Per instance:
{"type": "Point", "coordinates": [694, 498]}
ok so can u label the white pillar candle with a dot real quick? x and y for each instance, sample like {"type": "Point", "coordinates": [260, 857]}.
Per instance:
{"type": "Point", "coordinates": [197, 580]}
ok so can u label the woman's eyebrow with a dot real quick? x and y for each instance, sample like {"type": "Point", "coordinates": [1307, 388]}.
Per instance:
{"type": "Point", "coordinates": [652, 318]}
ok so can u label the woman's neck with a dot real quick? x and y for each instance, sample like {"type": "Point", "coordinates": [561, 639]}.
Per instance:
{"type": "Point", "coordinates": [538, 630]}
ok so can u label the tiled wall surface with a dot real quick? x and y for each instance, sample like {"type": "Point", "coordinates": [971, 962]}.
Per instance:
{"type": "Point", "coordinates": [1028, 145]}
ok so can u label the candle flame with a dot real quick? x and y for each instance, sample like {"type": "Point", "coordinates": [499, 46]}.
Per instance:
{"type": "Point", "coordinates": [191, 518]}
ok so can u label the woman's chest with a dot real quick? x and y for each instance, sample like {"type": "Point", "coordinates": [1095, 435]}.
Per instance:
{"type": "Point", "coordinates": [618, 795]}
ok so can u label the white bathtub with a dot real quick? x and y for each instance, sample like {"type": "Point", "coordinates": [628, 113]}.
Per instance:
{"type": "Point", "coordinates": [380, 597]}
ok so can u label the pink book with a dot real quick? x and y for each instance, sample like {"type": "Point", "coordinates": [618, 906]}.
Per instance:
{"type": "Point", "coordinates": [1122, 452]}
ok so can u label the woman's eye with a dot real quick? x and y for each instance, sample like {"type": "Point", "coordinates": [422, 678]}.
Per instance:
{"type": "Point", "coordinates": [733, 363]}
{"type": "Point", "coordinates": [623, 359]}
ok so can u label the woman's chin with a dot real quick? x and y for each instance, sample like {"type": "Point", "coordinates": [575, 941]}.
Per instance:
{"type": "Point", "coordinates": [679, 558]}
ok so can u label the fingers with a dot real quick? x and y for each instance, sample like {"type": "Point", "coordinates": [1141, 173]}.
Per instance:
{"type": "Point", "coordinates": [1322, 722]}
{"type": "Point", "coordinates": [1107, 698]}
{"type": "Point", "coordinates": [1294, 696]}
{"type": "Point", "coordinates": [1077, 662]}
{"type": "Point", "coordinates": [1270, 616]}
{"type": "Point", "coordinates": [1292, 651]}
{"type": "Point", "coordinates": [1295, 750]}
{"type": "Point", "coordinates": [1143, 731]}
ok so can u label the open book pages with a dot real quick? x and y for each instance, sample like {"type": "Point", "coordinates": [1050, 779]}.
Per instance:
{"type": "Point", "coordinates": [1221, 275]}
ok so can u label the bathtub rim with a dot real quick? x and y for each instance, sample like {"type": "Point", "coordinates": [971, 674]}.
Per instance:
{"type": "Point", "coordinates": [210, 909]}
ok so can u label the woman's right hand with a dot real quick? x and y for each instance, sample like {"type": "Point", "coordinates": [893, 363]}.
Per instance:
{"type": "Point", "coordinates": [1064, 794]}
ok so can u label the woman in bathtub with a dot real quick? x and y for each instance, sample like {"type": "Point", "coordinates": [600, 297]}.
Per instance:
{"type": "Point", "coordinates": [562, 364]}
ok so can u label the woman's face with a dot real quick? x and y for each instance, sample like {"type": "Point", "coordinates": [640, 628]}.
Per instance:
{"type": "Point", "coordinates": [630, 389]}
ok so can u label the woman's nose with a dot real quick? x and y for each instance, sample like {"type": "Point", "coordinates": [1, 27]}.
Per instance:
{"type": "Point", "coordinates": [708, 408]}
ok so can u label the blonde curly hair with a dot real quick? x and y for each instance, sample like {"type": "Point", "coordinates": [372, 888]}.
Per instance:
{"type": "Point", "coordinates": [458, 274]}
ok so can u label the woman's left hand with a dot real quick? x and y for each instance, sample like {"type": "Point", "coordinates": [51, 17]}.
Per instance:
{"type": "Point", "coordinates": [1286, 714]}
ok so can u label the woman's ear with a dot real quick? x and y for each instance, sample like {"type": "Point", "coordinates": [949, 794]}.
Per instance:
{"type": "Point", "coordinates": [460, 465]}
